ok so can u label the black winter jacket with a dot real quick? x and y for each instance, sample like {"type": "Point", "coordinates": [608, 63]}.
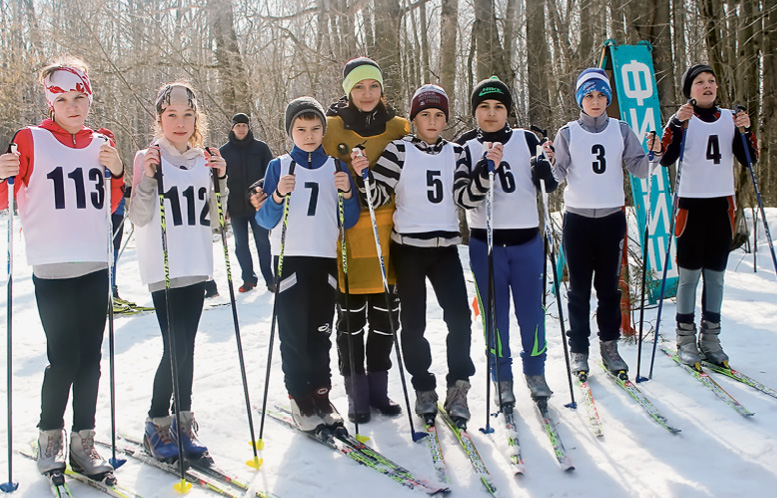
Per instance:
{"type": "Point", "coordinates": [247, 161]}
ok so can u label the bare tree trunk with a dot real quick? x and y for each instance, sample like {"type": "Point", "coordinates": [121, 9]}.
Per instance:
{"type": "Point", "coordinates": [234, 82]}
{"type": "Point", "coordinates": [449, 20]}
{"type": "Point", "coordinates": [538, 57]}
{"type": "Point", "coordinates": [388, 16]}
{"type": "Point", "coordinates": [768, 132]}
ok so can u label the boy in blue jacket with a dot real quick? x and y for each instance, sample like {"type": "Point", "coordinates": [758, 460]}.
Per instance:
{"type": "Point", "coordinates": [307, 285]}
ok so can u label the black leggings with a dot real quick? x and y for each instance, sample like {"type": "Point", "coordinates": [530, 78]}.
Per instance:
{"type": "Point", "coordinates": [185, 307]}
{"type": "Point", "coordinates": [72, 311]}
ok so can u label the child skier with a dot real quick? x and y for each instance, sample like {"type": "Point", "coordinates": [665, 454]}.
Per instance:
{"type": "Point", "coordinates": [363, 118]}
{"type": "Point", "coordinates": [591, 154]}
{"type": "Point", "coordinates": [189, 214]}
{"type": "Point", "coordinates": [308, 283]}
{"type": "Point", "coordinates": [704, 224]}
{"type": "Point", "coordinates": [417, 172]}
{"type": "Point", "coordinates": [66, 235]}
{"type": "Point", "coordinates": [517, 246]}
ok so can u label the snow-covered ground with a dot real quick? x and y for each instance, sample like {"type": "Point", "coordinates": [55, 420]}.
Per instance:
{"type": "Point", "coordinates": [719, 453]}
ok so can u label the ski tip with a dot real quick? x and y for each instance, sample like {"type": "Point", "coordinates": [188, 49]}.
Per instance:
{"type": "Point", "coordinates": [418, 436]}
{"type": "Point", "coordinates": [117, 462]}
{"type": "Point", "coordinates": [182, 487]}
{"type": "Point", "coordinates": [9, 487]}
{"type": "Point", "coordinates": [570, 468]}
{"type": "Point", "coordinates": [361, 439]}
{"type": "Point", "coordinates": [255, 463]}
{"type": "Point", "coordinates": [258, 444]}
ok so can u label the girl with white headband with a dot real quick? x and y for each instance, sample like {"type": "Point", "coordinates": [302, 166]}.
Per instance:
{"type": "Point", "coordinates": [59, 169]}
{"type": "Point", "coordinates": [190, 212]}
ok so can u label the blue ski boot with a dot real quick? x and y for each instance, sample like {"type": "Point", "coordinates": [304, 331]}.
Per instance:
{"type": "Point", "coordinates": [192, 446]}
{"type": "Point", "coordinates": [158, 440]}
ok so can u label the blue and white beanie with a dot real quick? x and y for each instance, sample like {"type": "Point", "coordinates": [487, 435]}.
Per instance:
{"type": "Point", "coordinates": [592, 79]}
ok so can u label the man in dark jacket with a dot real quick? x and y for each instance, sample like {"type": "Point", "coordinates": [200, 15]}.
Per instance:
{"type": "Point", "coordinates": [247, 160]}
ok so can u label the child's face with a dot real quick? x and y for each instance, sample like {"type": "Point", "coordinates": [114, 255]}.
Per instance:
{"type": "Point", "coordinates": [307, 134]}
{"type": "Point", "coordinates": [491, 115]}
{"type": "Point", "coordinates": [70, 110]}
{"type": "Point", "coordinates": [178, 122]}
{"type": "Point", "coordinates": [366, 94]}
{"type": "Point", "coordinates": [595, 103]}
{"type": "Point", "coordinates": [429, 123]}
{"type": "Point", "coordinates": [704, 89]}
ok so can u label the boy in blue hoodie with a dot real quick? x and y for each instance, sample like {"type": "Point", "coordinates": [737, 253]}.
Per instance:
{"type": "Point", "coordinates": [308, 283]}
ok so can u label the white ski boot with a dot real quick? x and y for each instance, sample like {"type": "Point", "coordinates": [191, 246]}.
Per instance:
{"type": "Point", "coordinates": [709, 344]}
{"type": "Point", "coordinates": [84, 457]}
{"type": "Point", "coordinates": [51, 451]}
{"type": "Point", "coordinates": [686, 344]}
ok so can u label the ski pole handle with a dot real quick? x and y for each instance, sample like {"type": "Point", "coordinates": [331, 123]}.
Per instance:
{"type": "Point", "coordinates": [737, 109]}
{"type": "Point", "coordinates": [216, 186]}
{"type": "Point", "coordinates": [486, 148]}
{"type": "Point", "coordinates": [10, 179]}
{"type": "Point", "coordinates": [651, 154]}
{"type": "Point", "coordinates": [360, 152]}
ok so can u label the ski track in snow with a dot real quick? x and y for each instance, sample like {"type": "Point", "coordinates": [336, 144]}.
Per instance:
{"type": "Point", "coordinates": [719, 453]}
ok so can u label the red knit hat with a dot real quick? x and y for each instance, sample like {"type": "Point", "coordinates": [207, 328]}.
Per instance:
{"type": "Point", "coordinates": [429, 97]}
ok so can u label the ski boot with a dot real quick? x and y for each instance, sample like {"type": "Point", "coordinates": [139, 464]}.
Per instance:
{"type": "Point", "coordinates": [686, 345]}
{"type": "Point", "coordinates": [612, 360]}
{"type": "Point", "coordinates": [303, 411]}
{"type": "Point", "coordinates": [426, 405]}
{"type": "Point", "coordinates": [503, 395]}
{"type": "Point", "coordinates": [158, 440]}
{"type": "Point", "coordinates": [379, 394]}
{"type": "Point", "coordinates": [192, 447]}
{"type": "Point", "coordinates": [538, 387]}
{"type": "Point", "coordinates": [456, 403]}
{"type": "Point", "coordinates": [709, 344]}
{"type": "Point", "coordinates": [579, 366]}
{"type": "Point", "coordinates": [51, 452]}
{"type": "Point", "coordinates": [357, 388]}
{"type": "Point", "coordinates": [84, 458]}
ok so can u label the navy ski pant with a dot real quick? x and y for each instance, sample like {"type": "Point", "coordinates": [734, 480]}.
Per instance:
{"type": "Point", "coordinates": [442, 266]}
{"type": "Point", "coordinates": [517, 268]}
{"type": "Point", "coordinates": [306, 308]}
{"type": "Point", "coordinates": [185, 306]}
{"type": "Point", "coordinates": [72, 311]}
{"type": "Point", "coordinates": [593, 248]}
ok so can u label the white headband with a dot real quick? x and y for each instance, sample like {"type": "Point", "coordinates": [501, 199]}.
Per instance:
{"type": "Point", "coordinates": [66, 79]}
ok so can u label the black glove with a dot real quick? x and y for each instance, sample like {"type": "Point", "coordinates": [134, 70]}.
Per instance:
{"type": "Point", "coordinates": [541, 170]}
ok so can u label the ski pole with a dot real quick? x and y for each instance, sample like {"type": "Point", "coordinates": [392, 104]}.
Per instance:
{"type": "Point", "coordinates": [183, 486]}
{"type": "Point", "coordinates": [417, 436]}
{"type": "Point", "coordinates": [491, 301]}
{"type": "Point", "coordinates": [351, 359]}
{"type": "Point", "coordinates": [675, 201]}
{"type": "Point", "coordinates": [645, 240]}
{"type": "Point", "coordinates": [284, 225]}
{"type": "Point", "coordinates": [10, 486]}
{"type": "Point", "coordinates": [757, 191]}
{"type": "Point", "coordinates": [256, 462]}
{"type": "Point", "coordinates": [552, 251]}
{"type": "Point", "coordinates": [114, 461]}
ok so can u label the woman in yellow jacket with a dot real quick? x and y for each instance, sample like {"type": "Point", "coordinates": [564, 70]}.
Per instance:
{"type": "Point", "coordinates": [363, 119]}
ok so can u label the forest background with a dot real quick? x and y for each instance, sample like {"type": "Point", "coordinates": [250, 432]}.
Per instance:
{"type": "Point", "coordinates": [254, 56]}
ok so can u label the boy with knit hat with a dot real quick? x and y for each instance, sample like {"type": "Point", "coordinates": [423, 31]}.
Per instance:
{"type": "Point", "coordinates": [517, 245]}
{"type": "Point", "coordinates": [307, 285]}
{"type": "Point", "coordinates": [591, 154]}
{"type": "Point", "coordinates": [705, 218]}
{"type": "Point", "coordinates": [417, 171]}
